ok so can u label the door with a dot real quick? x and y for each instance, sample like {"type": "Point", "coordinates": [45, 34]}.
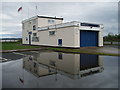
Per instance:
{"type": "Point", "coordinates": [29, 39]}
{"type": "Point", "coordinates": [60, 42]}
{"type": "Point", "coordinates": [88, 38]}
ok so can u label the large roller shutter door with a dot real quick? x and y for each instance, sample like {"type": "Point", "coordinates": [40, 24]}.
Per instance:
{"type": "Point", "coordinates": [88, 38]}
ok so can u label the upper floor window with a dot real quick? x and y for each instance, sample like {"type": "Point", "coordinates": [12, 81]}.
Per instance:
{"type": "Point", "coordinates": [51, 32]}
{"type": "Point", "coordinates": [51, 21]}
{"type": "Point", "coordinates": [23, 26]}
{"type": "Point", "coordinates": [34, 27]}
{"type": "Point", "coordinates": [90, 25]}
{"type": "Point", "coordinates": [34, 22]}
{"type": "Point", "coordinates": [30, 22]}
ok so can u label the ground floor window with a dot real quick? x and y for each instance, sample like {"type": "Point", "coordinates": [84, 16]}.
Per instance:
{"type": "Point", "coordinates": [26, 38]}
{"type": "Point", "coordinates": [35, 39]}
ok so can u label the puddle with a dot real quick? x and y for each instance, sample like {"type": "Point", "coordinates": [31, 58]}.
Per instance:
{"type": "Point", "coordinates": [61, 70]}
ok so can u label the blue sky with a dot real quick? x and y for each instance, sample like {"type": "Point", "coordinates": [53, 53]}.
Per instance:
{"type": "Point", "coordinates": [94, 12]}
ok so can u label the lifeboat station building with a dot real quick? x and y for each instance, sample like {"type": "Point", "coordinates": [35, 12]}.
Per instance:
{"type": "Point", "coordinates": [51, 31]}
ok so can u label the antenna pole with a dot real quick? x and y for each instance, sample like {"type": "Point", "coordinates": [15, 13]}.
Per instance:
{"type": "Point", "coordinates": [36, 8]}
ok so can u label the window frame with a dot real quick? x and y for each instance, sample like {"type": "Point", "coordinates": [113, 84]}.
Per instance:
{"type": "Point", "coordinates": [34, 35]}
{"type": "Point", "coordinates": [26, 38]}
{"type": "Point", "coordinates": [34, 27]}
{"type": "Point", "coordinates": [35, 39]}
{"type": "Point", "coordinates": [51, 21]}
{"type": "Point", "coordinates": [51, 33]}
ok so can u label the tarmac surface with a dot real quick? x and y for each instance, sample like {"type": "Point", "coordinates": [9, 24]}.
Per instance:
{"type": "Point", "coordinates": [110, 49]}
{"type": "Point", "coordinates": [16, 55]}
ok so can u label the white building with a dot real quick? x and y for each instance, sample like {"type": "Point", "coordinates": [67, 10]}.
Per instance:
{"type": "Point", "coordinates": [51, 31]}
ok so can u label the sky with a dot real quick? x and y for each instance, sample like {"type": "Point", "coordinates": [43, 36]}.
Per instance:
{"type": "Point", "coordinates": [105, 13]}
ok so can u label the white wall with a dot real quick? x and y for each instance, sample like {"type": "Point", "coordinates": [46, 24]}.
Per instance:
{"type": "Point", "coordinates": [100, 37]}
{"type": "Point", "coordinates": [39, 22]}
{"type": "Point", "coordinates": [66, 34]}
{"type": "Point", "coordinates": [44, 22]}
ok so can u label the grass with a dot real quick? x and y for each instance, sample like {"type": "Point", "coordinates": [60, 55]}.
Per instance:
{"type": "Point", "coordinates": [15, 45]}
{"type": "Point", "coordinates": [81, 51]}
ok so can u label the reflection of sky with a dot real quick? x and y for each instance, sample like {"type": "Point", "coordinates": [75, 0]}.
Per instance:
{"type": "Point", "coordinates": [100, 12]}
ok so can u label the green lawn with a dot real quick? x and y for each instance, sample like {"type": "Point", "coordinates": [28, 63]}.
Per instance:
{"type": "Point", "coordinates": [14, 46]}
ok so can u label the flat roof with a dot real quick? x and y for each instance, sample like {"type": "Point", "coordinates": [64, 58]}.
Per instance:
{"type": "Point", "coordinates": [60, 18]}
{"type": "Point", "coordinates": [40, 16]}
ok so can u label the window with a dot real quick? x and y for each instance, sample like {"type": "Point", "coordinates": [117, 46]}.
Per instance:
{"type": "Point", "coordinates": [26, 38]}
{"type": "Point", "coordinates": [90, 25]}
{"type": "Point", "coordinates": [34, 21]}
{"type": "Point", "coordinates": [51, 21]}
{"type": "Point", "coordinates": [51, 32]}
{"type": "Point", "coordinates": [23, 26]}
{"type": "Point", "coordinates": [35, 39]}
{"type": "Point", "coordinates": [34, 27]}
{"type": "Point", "coordinates": [30, 22]}
{"type": "Point", "coordinates": [34, 34]}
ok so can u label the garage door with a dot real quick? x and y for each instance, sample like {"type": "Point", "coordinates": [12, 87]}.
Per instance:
{"type": "Point", "coordinates": [88, 38]}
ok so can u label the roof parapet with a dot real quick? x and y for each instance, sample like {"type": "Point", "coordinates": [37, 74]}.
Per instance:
{"type": "Point", "coordinates": [62, 25]}
{"type": "Point", "coordinates": [38, 16]}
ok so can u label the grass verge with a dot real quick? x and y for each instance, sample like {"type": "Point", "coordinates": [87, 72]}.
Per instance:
{"type": "Point", "coordinates": [15, 45]}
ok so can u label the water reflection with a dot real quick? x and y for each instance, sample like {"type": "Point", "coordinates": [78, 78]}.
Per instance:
{"type": "Point", "coordinates": [71, 65]}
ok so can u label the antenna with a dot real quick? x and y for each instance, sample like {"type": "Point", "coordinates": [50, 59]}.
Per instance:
{"type": "Point", "coordinates": [36, 8]}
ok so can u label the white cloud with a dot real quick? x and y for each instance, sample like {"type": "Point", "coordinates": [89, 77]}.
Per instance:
{"type": "Point", "coordinates": [60, 0]}
{"type": "Point", "coordinates": [5, 33]}
{"type": "Point", "coordinates": [103, 13]}
{"type": "Point", "coordinates": [4, 16]}
{"type": "Point", "coordinates": [8, 24]}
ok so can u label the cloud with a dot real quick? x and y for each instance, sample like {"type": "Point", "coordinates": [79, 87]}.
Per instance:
{"type": "Point", "coordinates": [97, 12]}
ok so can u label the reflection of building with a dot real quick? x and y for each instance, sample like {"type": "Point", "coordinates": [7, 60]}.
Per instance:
{"type": "Point", "coordinates": [71, 65]}
{"type": "Point", "coordinates": [34, 67]}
